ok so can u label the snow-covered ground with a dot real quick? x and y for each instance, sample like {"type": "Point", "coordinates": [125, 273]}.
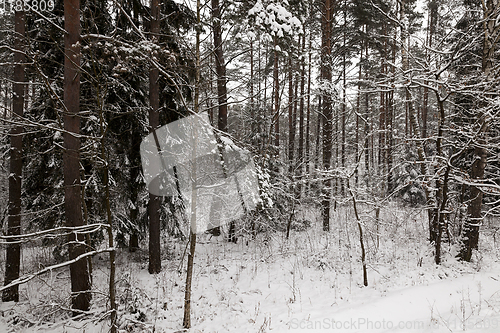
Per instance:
{"type": "Point", "coordinates": [309, 283]}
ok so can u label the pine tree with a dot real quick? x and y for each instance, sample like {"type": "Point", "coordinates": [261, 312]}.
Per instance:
{"type": "Point", "coordinates": [327, 101]}
{"type": "Point", "coordinates": [13, 257]}
{"type": "Point", "coordinates": [491, 33]}
{"type": "Point", "coordinates": [154, 122]}
{"type": "Point", "coordinates": [80, 279]}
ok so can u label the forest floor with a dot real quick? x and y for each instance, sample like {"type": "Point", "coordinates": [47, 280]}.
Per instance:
{"type": "Point", "coordinates": [311, 282]}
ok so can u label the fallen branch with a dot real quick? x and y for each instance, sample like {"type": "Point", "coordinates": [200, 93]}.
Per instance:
{"type": "Point", "coordinates": [61, 231]}
{"type": "Point", "coordinates": [29, 277]}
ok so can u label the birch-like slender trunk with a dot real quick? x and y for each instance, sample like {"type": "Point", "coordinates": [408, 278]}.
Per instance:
{"type": "Point", "coordinates": [186, 323]}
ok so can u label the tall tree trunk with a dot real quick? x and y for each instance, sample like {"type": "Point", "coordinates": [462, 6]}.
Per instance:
{"type": "Point", "coordinates": [107, 202]}
{"type": "Point", "coordinates": [344, 99]}
{"type": "Point", "coordinates": [307, 156]}
{"type": "Point", "coordinates": [6, 100]}
{"type": "Point", "coordinates": [415, 129]}
{"type": "Point", "coordinates": [318, 133]}
{"type": "Point", "coordinates": [433, 17]}
{"type": "Point", "coordinates": [367, 117]}
{"type": "Point", "coordinates": [390, 141]}
{"type": "Point", "coordinates": [260, 103]}
{"type": "Point", "coordinates": [292, 129]}
{"type": "Point", "coordinates": [276, 117]}
{"type": "Point", "coordinates": [358, 112]}
{"type": "Point", "coordinates": [389, 124]}
{"type": "Point", "coordinates": [13, 256]}
{"type": "Point", "coordinates": [367, 139]}
{"type": "Point", "coordinates": [220, 69]}
{"type": "Point", "coordinates": [491, 29]}
{"type": "Point", "coordinates": [326, 77]}
{"type": "Point", "coordinates": [343, 126]}
{"type": "Point", "coordinates": [80, 277]}
{"type": "Point", "coordinates": [209, 99]}
{"type": "Point", "coordinates": [471, 227]}
{"type": "Point", "coordinates": [438, 223]}
{"type": "Point", "coordinates": [154, 123]}
{"type": "Point", "coordinates": [300, 152]}
{"type": "Point", "coordinates": [253, 120]}
{"type": "Point", "coordinates": [291, 118]}
{"type": "Point", "coordinates": [220, 66]}
{"type": "Point", "coordinates": [381, 124]}
{"type": "Point", "coordinates": [186, 322]}
{"type": "Point", "coordinates": [263, 101]}
{"type": "Point", "coordinates": [133, 188]}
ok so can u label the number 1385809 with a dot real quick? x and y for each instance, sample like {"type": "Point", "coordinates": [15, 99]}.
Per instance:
{"type": "Point", "coordinates": [10, 6]}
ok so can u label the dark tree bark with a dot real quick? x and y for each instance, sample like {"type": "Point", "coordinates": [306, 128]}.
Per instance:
{"type": "Point", "coordinates": [381, 135]}
{"type": "Point", "coordinates": [253, 120]}
{"type": "Point", "coordinates": [276, 117]}
{"type": "Point", "coordinates": [471, 228]}
{"type": "Point", "coordinates": [430, 33]}
{"type": "Point", "coordinates": [133, 188]}
{"type": "Point", "coordinates": [358, 112]}
{"type": "Point", "coordinates": [318, 133]}
{"type": "Point", "coordinates": [292, 129]}
{"type": "Point", "coordinates": [291, 118]}
{"type": "Point", "coordinates": [307, 155]}
{"type": "Point", "coordinates": [220, 69]}
{"type": "Point", "coordinates": [438, 215]}
{"type": "Point", "coordinates": [470, 239]}
{"type": "Point", "coordinates": [382, 114]}
{"type": "Point", "coordinates": [186, 322]}
{"type": "Point", "coordinates": [389, 124]}
{"type": "Point", "coordinates": [491, 29]}
{"type": "Point", "coordinates": [154, 123]}
{"type": "Point", "coordinates": [361, 241]}
{"type": "Point", "coordinates": [300, 152]}
{"type": "Point", "coordinates": [80, 277]}
{"type": "Point", "coordinates": [367, 138]}
{"type": "Point", "coordinates": [13, 255]}
{"type": "Point", "coordinates": [111, 244]}
{"type": "Point", "coordinates": [326, 76]}
{"type": "Point", "coordinates": [154, 235]}
{"type": "Point", "coordinates": [220, 66]}
{"type": "Point", "coordinates": [344, 104]}
{"type": "Point", "coordinates": [6, 101]}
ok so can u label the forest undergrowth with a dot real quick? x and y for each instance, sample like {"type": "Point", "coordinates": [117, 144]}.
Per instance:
{"type": "Point", "coordinates": [262, 283]}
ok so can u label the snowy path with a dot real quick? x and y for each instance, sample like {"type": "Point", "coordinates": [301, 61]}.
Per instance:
{"type": "Point", "coordinates": [446, 306]}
